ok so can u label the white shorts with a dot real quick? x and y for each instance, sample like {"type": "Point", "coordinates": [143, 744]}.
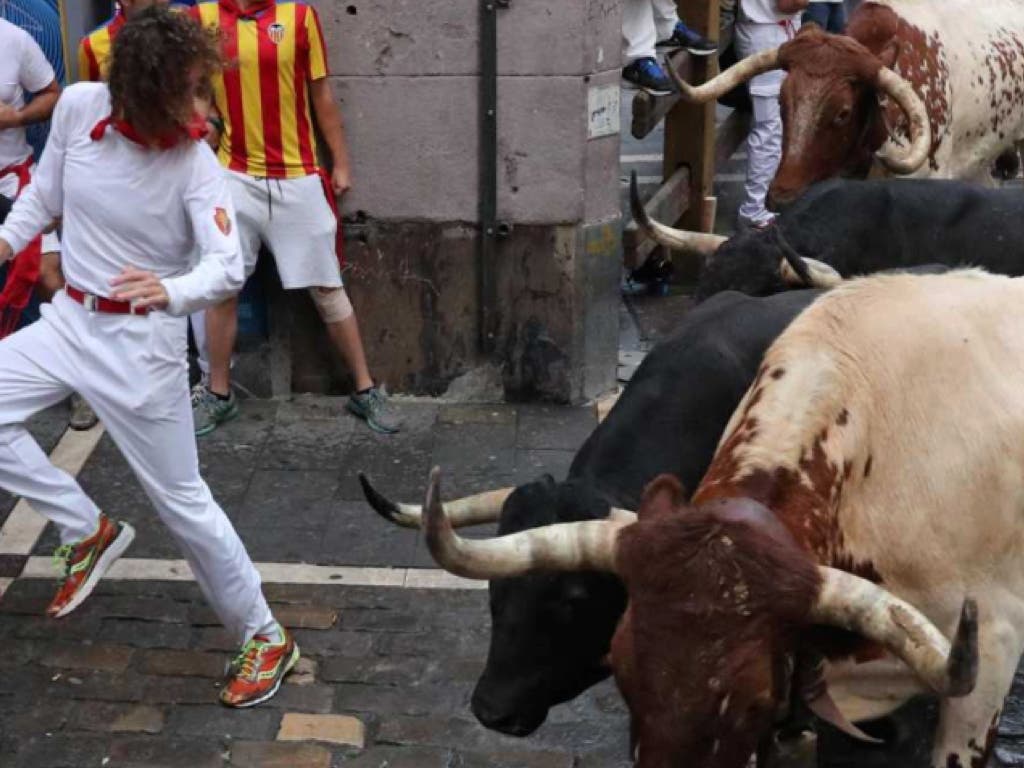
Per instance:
{"type": "Point", "coordinates": [9, 189]}
{"type": "Point", "coordinates": [293, 218]}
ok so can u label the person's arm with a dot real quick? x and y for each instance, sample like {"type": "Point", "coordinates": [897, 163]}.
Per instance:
{"type": "Point", "coordinates": [36, 76]}
{"type": "Point", "coordinates": [791, 6]}
{"type": "Point", "coordinates": [325, 108]}
{"type": "Point", "coordinates": [332, 128]}
{"type": "Point", "coordinates": [220, 272]}
{"type": "Point", "coordinates": [42, 200]}
{"type": "Point", "coordinates": [36, 111]}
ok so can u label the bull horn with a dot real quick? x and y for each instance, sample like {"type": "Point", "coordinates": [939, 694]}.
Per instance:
{"type": "Point", "coordinates": [588, 545]}
{"type": "Point", "coordinates": [857, 605]}
{"type": "Point", "coordinates": [675, 239]}
{"type": "Point", "coordinates": [815, 274]}
{"type": "Point", "coordinates": [917, 116]}
{"type": "Point", "coordinates": [721, 84]}
{"type": "Point", "coordinates": [470, 510]}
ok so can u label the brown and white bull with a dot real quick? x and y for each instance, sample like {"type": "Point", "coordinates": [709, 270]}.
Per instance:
{"type": "Point", "coordinates": [962, 61]}
{"type": "Point", "coordinates": [872, 479]}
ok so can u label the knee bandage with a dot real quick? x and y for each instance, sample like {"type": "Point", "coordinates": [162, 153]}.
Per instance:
{"type": "Point", "coordinates": [332, 304]}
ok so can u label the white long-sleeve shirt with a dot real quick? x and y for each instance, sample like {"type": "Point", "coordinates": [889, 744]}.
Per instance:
{"type": "Point", "coordinates": [764, 12]}
{"type": "Point", "coordinates": [23, 70]}
{"type": "Point", "coordinates": [128, 205]}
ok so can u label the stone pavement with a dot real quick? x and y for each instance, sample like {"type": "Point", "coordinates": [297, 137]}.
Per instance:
{"type": "Point", "coordinates": [130, 678]}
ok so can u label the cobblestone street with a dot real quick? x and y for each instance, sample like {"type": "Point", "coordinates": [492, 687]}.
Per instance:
{"type": "Point", "coordinates": [130, 678]}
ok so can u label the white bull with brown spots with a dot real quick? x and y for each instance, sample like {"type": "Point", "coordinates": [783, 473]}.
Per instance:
{"type": "Point", "coordinates": [938, 87]}
{"type": "Point", "coordinates": [872, 479]}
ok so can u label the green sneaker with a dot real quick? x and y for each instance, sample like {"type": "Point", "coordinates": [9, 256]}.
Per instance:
{"type": "Point", "coordinates": [209, 411]}
{"type": "Point", "coordinates": [372, 407]}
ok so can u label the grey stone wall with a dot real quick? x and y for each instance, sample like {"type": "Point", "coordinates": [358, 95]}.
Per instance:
{"type": "Point", "coordinates": [405, 73]}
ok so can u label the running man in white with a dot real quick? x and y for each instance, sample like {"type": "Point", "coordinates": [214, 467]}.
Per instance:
{"type": "Point", "coordinates": [138, 195]}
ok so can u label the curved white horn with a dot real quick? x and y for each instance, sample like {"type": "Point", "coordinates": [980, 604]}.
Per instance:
{"type": "Point", "coordinates": [675, 239]}
{"type": "Point", "coordinates": [819, 274]}
{"type": "Point", "coordinates": [588, 545]}
{"type": "Point", "coordinates": [855, 604]}
{"type": "Point", "coordinates": [917, 116]}
{"type": "Point", "coordinates": [470, 510]}
{"type": "Point", "coordinates": [721, 84]}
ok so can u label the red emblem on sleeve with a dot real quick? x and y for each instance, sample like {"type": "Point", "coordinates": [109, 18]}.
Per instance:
{"type": "Point", "coordinates": [222, 220]}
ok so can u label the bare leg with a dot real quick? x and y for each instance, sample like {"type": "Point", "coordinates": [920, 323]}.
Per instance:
{"type": "Point", "coordinates": [345, 336]}
{"type": "Point", "coordinates": [221, 330]}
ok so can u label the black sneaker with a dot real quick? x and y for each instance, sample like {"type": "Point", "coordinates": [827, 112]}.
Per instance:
{"type": "Point", "coordinates": [684, 37]}
{"type": "Point", "coordinates": [647, 74]}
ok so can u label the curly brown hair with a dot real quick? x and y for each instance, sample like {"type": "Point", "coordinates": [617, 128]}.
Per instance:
{"type": "Point", "coordinates": [153, 62]}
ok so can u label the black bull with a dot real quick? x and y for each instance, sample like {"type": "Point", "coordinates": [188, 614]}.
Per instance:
{"type": "Point", "coordinates": [861, 227]}
{"type": "Point", "coordinates": [551, 632]}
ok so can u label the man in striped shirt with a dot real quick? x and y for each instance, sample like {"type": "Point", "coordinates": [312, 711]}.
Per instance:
{"type": "Point", "coordinates": [267, 98]}
{"type": "Point", "coordinates": [94, 49]}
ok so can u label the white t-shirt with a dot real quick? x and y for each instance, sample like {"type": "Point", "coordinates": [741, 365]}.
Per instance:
{"type": "Point", "coordinates": [124, 204]}
{"type": "Point", "coordinates": [23, 70]}
{"type": "Point", "coordinates": [763, 12]}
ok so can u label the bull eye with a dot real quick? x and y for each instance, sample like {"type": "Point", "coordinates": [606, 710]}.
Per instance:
{"type": "Point", "coordinates": [842, 116]}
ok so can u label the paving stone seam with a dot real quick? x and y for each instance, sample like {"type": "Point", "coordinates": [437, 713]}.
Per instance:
{"type": "Point", "coordinates": [144, 569]}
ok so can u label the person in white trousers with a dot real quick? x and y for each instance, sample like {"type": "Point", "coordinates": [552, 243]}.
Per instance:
{"type": "Point", "coordinates": [763, 24]}
{"type": "Point", "coordinates": [138, 193]}
{"type": "Point", "coordinates": [646, 26]}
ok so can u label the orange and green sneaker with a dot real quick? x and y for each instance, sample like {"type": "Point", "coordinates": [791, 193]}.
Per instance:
{"type": "Point", "coordinates": [84, 563]}
{"type": "Point", "coordinates": [258, 669]}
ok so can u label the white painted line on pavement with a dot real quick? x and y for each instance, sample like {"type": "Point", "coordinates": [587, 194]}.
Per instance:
{"type": "Point", "coordinates": [4, 584]}
{"type": "Point", "coordinates": [24, 525]}
{"type": "Point", "coordinates": [142, 569]}
{"type": "Point", "coordinates": [641, 159]}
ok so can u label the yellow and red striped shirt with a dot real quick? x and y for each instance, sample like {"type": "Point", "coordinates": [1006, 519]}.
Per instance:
{"type": "Point", "coordinates": [274, 50]}
{"type": "Point", "coordinates": [94, 50]}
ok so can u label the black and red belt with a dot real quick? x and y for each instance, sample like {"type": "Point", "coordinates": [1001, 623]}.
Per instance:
{"type": "Point", "coordinates": [95, 303]}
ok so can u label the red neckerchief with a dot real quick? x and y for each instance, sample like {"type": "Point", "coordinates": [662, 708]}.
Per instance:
{"type": "Point", "coordinates": [23, 272]}
{"type": "Point", "coordinates": [194, 131]}
{"type": "Point", "coordinates": [255, 8]}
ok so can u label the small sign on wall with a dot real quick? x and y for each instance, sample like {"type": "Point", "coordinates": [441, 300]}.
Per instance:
{"type": "Point", "coordinates": [602, 111]}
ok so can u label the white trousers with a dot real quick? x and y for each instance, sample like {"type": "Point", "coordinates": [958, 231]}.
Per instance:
{"type": "Point", "coordinates": [644, 23]}
{"type": "Point", "coordinates": [132, 371]}
{"type": "Point", "coordinates": [764, 143]}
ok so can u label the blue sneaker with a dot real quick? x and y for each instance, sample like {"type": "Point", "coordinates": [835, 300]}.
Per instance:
{"type": "Point", "coordinates": [684, 37]}
{"type": "Point", "coordinates": [647, 74]}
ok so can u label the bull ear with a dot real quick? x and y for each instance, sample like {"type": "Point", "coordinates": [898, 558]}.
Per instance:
{"type": "Point", "coordinates": [890, 53]}
{"type": "Point", "coordinates": [662, 496]}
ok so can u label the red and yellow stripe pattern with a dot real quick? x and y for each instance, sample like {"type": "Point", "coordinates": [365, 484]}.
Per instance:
{"type": "Point", "coordinates": [263, 93]}
{"type": "Point", "coordinates": [94, 50]}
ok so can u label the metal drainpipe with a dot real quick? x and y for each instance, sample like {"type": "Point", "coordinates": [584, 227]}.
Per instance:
{"type": "Point", "coordinates": [490, 228]}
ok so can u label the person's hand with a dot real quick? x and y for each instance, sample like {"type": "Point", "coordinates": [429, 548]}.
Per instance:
{"type": "Point", "coordinates": [9, 117]}
{"type": "Point", "coordinates": [341, 181]}
{"type": "Point", "coordinates": [142, 288]}
{"type": "Point", "coordinates": [6, 252]}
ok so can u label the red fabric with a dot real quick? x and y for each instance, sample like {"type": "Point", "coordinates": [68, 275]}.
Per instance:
{"type": "Point", "coordinates": [254, 8]}
{"type": "Point", "coordinates": [103, 304]}
{"type": "Point", "coordinates": [23, 272]}
{"type": "Point", "coordinates": [339, 247]}
{"type": "Point", "coordinates": [194, 131]}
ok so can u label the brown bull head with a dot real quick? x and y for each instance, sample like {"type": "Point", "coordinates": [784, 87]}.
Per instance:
{"type": "Point", "coordinates": [717, 594]}
{"type": "Point", "coordinates": [833, 123]}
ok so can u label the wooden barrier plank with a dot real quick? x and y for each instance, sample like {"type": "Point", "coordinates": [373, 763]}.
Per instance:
{"type": "Point", "coordinates": [668, 203]}
{"type": "Point", "coordinates": [649, 110]}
